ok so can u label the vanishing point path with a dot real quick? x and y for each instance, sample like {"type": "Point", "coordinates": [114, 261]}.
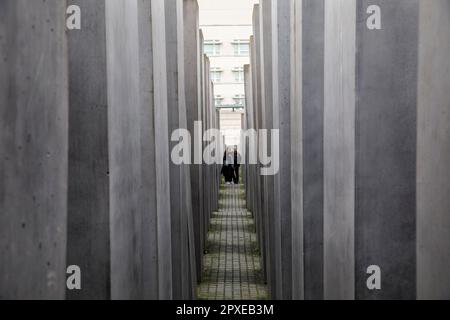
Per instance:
{"type": "Point", "coordinates": [232, 268]}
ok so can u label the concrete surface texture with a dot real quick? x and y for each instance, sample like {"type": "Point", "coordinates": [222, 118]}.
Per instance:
{"type": "Point", "coordinates": [193, 49]}
{"type": "Point", "coordinates": [89, 171]}
{"type": "Point", "coordinates": [339, 149]}
{"type": "Point", "coordinates": [88, 202]}
{"type": "Point", "coordinates": [148, 140]}
{"type": "Point", "coordinates": [360, 91]}
{"type": "Point", "coordinates": [206, 98]}
{"type": "Point", "coordinates": [126, 208]}
{"type": "Point", "coordinates": [273, 231]}
{"type": "Point", "coordinates": [386, 119]}
{"type": "Point", "coordinates": [433, 154]}
{"type": "Point", "coordinates": [249, 173]}
{"type": "Point", "coordinates": [112, 159]}
{"type": "Point", "coordinates": [281, 83]}
{"type": "Point", "coordinates": [313, 144]}
{"type": "Point", "coordinates": [296, 152]}
{"type": "Point", "coordinates": [34, 149]}
{"type": "Point", "coordinates": [162, 174]}
{"type": "Point", "coordinates": [151, 254]}
{"type": "Point", "coordinates": [176, 104]}
{"type": "Point", "coordinates": [257, 120]}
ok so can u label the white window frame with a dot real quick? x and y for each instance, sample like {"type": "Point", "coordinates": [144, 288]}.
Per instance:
{"type": "Point", "coordinates": [238, 50]}
{"type": "Point", "coordinates": [216, 47]}
{"type": "Point", "coordinates": [238, 74]}
{"type": "Point", "coordinates": [216, 75]}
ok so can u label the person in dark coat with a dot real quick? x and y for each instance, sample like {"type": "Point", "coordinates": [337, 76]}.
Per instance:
{"type": "Point", "coordinates": [227, 169]}
{"type": "Point", "coordinates": [236, 165]}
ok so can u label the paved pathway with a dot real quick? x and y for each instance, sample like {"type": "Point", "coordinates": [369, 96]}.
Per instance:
{"type": "Point", "coordinates": [232, 269]}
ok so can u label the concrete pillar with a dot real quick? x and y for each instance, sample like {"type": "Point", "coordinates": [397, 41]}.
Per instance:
{"type": "Point", "coordinates": [312, 98]}
{"type": "Point", "coordinates": [273, 237]}
{"type": "Point", "coordinates": [124, 116]}
{"type": "Point", "coordinates": [281, 83]}
{"type": "Point", "coordinates": [386, 119]}
{"type": "Point", "coordinates": [214, 168]}
{"type": "Point", "coordinates": [433, 184]}
{"type": "Point", "coordinates": [183, 248]}
{"type": "Point", "coordinates": [148, 156]}
{"type": "Point", "coordinates": [162, 149]}
{"type": "Point", "coordinates": [249, 125]}
{"type": "Point", "coordinates": [90, 179]}
{"type": "Point", "coordinates": [255, 50]}
{"type": "Point", "coordinates": [339, 149]}
{"type": "Point", "coordinates": [33, 148]}
{"type": "Point", "coordinates": [193, 53]}
{"type": "Point", "coordinates": [210, 116]}
{"type": "Point", "coordinates": [157, 278]}
{"type": "Point", "coordinates": [89, 194]}
{"type": "Point", "coordinates": [296, 154]}
{"type": "Point", "coordinates": [89, 176]}
{"type": "Point", "coordinates": [371, 147]}
{"type": "Point", "coordinates": [202, 100]}
{"type": "Point", "coordinates": [362, 147]}
{"type": "Point", "coordinates": [206, 105]}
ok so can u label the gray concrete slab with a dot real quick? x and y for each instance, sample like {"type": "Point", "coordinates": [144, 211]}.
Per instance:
{"type": "Point", "coordinates": [205, 107]}
{"type": "Point", "coordinates": [193, 48]}
{"type": "Point", "coordinates": [296, 154]}
{"type": "Point", "coordinates": [34, 149]}
{"type": "Point", "coordinates": [89, 177]}
{"type": "Point", "coordinates": [433, 184]}
{"type": "Point", "coordinates": [203, 116]}
{"type": "Point", "coordinates": [250, 179]}
{"type": "Point", "coordinates": [191, 273]}
{"type": "Point", "coordinates": [248, 124]}
{"type": "Point", "coordinates": [88, 243]}
{"type": "Point", "coordinates": [273, 241]}
{"type": "Point", "coordinates": [126, 210]}
{"type": "Point", "coordinates": [358, 101]}
{"type": "Point", "coordinates": [89, 55]}
{"type": "Point", "coordinates": [181, 202]}
{"type": "Point", "coordinates": [148, 151]}
{"type": "Point", "coordinates": [386, 119]}
{"type": "Point", "coordinates": [281, 84]}
{"type": "Point", "coordinates": [256, 80]}
{"type": "Point", "coordinates": [339, 149]}
{"type": "Point", "coordinates": [179, 234]}
{"type": "Point", "coordinates": [370, 149]}
{"type": "Point", "coordinates": [313, 104]}
{"type": "Point", "coordinates": [162, 174]}
{"type": "Point", "coordinates": [155, 221]}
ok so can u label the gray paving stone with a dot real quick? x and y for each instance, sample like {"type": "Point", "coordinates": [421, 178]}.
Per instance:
{"type": "Point", "coordinates": [232, 268]}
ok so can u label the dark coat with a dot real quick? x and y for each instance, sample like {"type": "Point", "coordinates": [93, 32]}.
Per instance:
{"type": "Point", "coordinates": [228, 172]}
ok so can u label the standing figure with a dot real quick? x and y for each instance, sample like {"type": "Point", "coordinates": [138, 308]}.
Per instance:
{"type": "Point", "coordinates": [227, 168]}
{"type": "Point", "coordinates": [237, 165]}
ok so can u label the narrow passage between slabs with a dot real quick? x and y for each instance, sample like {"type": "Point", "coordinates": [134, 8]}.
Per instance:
{"type": "Point", "coordinates": [232, 267]}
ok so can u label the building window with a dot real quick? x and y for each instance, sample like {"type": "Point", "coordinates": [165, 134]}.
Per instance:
{"type": "Point", "coordinates": [216, 75]}
{"type": "Point", "coordinates": [241, 47]}
{"type": "Point", "coordinates": [239, 100]}
{"type": "Point", "coordinates": [238, 74]}
{"type": "Point", "coordinates": [218, 101]}
{"type": "Point", "coordinates": [212, 47]}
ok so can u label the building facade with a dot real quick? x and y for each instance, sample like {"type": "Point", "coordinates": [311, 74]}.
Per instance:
{"type": "Point", "coordinates": [227, 27]}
